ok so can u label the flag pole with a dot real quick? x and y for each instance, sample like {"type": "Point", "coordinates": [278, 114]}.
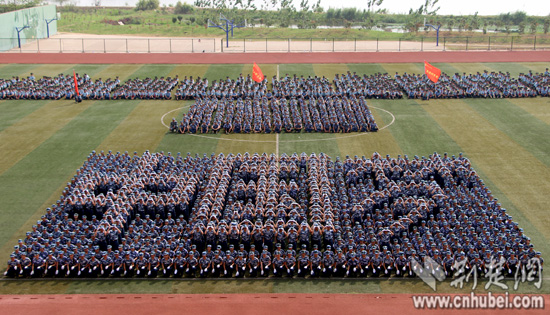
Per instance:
{"type": "Point", "coordinates": [77, 94]}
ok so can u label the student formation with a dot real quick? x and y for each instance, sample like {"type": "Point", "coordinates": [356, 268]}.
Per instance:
{"type": "Point", "coordinates": [259, 215]}
{"type": "Point", "coordinates": [286, 104]}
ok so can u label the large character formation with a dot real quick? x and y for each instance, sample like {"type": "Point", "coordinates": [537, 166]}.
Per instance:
{"type": "Point", "coordinates": [260, 215]}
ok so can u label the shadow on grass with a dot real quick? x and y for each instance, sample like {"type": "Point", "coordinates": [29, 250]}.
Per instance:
{"type": "Point", "coordinates": [271, 285]}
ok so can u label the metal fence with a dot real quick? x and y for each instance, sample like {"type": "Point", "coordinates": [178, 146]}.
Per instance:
{"type": "Point", "coordinates": [200, 45]}
{"type": "Point", "coordinates": [421, 43]}
{"type": "Point", "coordinates": [118, 45]}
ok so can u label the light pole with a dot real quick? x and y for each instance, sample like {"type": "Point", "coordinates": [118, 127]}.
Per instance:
{"type": "Point", "coordinates": [48, 24]}
{"type": "Point", "coordinates": [19, 30]}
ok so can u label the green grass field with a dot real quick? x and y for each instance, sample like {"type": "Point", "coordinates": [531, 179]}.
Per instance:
{"type": "Point", "coordinates": [42, 143]}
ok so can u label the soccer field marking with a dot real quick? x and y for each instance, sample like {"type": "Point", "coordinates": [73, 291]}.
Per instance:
{"type": "Point", "coordinates": [387, 111]}
{"type": "Point", "coordinates": [277, 139]}
{"type": "Point", "coordinates": [165, 114]}
{"type": "Point", "coordinates": [277, 144]}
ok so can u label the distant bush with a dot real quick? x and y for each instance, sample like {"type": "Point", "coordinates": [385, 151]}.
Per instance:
{"type": "Point", "coordinates": [68, 8]}
{"type": "Point", "coordinates": [183, 8]}
{"type": "Point", "coordinates": [144, 5]}
{"type": "Point", "coordinates": [349, 13]}
{"type": "Point", "coordinates": [388, 19]}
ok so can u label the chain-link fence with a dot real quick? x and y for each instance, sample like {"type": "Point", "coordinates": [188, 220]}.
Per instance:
{"type": "Point", "coordinates": [209, 45]}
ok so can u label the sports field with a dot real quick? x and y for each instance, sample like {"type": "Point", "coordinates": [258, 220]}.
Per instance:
{"type": "Point", "coordinates": [43, 143]}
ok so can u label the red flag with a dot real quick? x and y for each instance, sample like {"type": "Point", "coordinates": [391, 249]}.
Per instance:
{"type": "Point", "coordinates": [257, 74]}
{"type": "Point", "coordinates": [432, 72]}
{"type": "Point", "coordinates": [75, 83]}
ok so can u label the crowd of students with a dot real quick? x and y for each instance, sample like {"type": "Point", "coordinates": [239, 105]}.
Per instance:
{"type": "Point", "coordinates": [538, 81]}
{"type": "Point", "coordinates": [479, 85]}
{"type": "Point", "coordinates": [258, 215]}
{"type": "Point", "coordinates": [62, 87]}
{"type": "Point", "coordinates": [380, 86]}
{"type": "Point", "coordinates": [147, 89]}
{"type": "Point", "coordinates": [263, 115]}
{"type": "Point", "coordinates": [54, 88]}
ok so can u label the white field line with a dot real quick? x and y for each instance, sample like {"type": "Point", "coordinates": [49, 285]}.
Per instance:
{"type": "Point", "coordinates": [276, 141]}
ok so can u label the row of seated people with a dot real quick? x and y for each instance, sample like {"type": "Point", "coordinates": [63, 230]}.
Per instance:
{"type": "Point", "coordinates": [62, 87]}
{"type": "Point", "coordinates": [309, 214]}
{"type": "Point", "coordinates": [479, 85]}
{"type": "Point", "coordinates": [264, 115]}
{"type": "Point", "coordinates": [380, 86]}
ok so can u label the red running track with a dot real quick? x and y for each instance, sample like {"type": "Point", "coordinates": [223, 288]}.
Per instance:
{"type": "Point", "coordinates": [242, 304]}
{"type": "Point", "coordinates": [276, 58]}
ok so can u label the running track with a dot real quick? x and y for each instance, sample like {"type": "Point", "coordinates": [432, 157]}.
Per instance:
{"type": "Point", "coordinates": [242, 304]}
{"type": "Point", "coordinates": [276, 58]}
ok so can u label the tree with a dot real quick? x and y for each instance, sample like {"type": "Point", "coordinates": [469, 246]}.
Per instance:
{"type": "Point", "coordinates": [304, 5]}
{"type": "Point", "coordinates": [546, 26]}
{"type": "Point", "coordinates": [462, 24]}
{"type": "Point", "coordinates": [521, 27]}
{"type": "Point", "coordinates": [183, 8]}
{"type": "Point", "coordinates": [202, 3]}
{"type": "Point", "coordinates": [533, 27]}
{"type": "Point", "coordinates": [349, 14]}
{"type": "Point", "coordinates": [286, 12]}
{"type": "Point", "coordinates": [317, 8]}
{"type": "Point", "coordinates": [498, 25]}
{"type": "Point", "coordinates": [415, 17]}
{"type": "Point", "coordinates": [331, 13]}
{"type": "Point", "coordinates": [180, 18]}
{"type": "Point", "coordinates": [144, 5]}
{"type": "Point", "coordinates": [513, 18]}
{"type": "Point", "coordinates": [371, 4]}
{"type": "Point", "coordinates": [174, 19]}
{"type": "Point", "coordinates": [518, 17]}
{"type": "Point", "coordinates": [474, 22]}
{"type": "Point", "coordinates": [450, 23]}
{"type": "Point", "coordinates": [428, 8]}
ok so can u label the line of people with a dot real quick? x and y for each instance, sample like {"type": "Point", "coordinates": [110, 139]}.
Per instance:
{"type": "Point", "coordinates": [266, 215]}
{"type": "Point", "coordinates": [147, 89]}
{"type": "Point", "coordinates": [323, 114]}
{"type": "Point", "coordinates": [62, 87]}
{"type": "Point", "coordinates": [380, 86]}
{"type": "Point", "coordinates": [479, 85]}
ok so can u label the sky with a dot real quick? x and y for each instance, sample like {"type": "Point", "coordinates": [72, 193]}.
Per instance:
{"type": "Point", "coordinates": [447, 7]}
